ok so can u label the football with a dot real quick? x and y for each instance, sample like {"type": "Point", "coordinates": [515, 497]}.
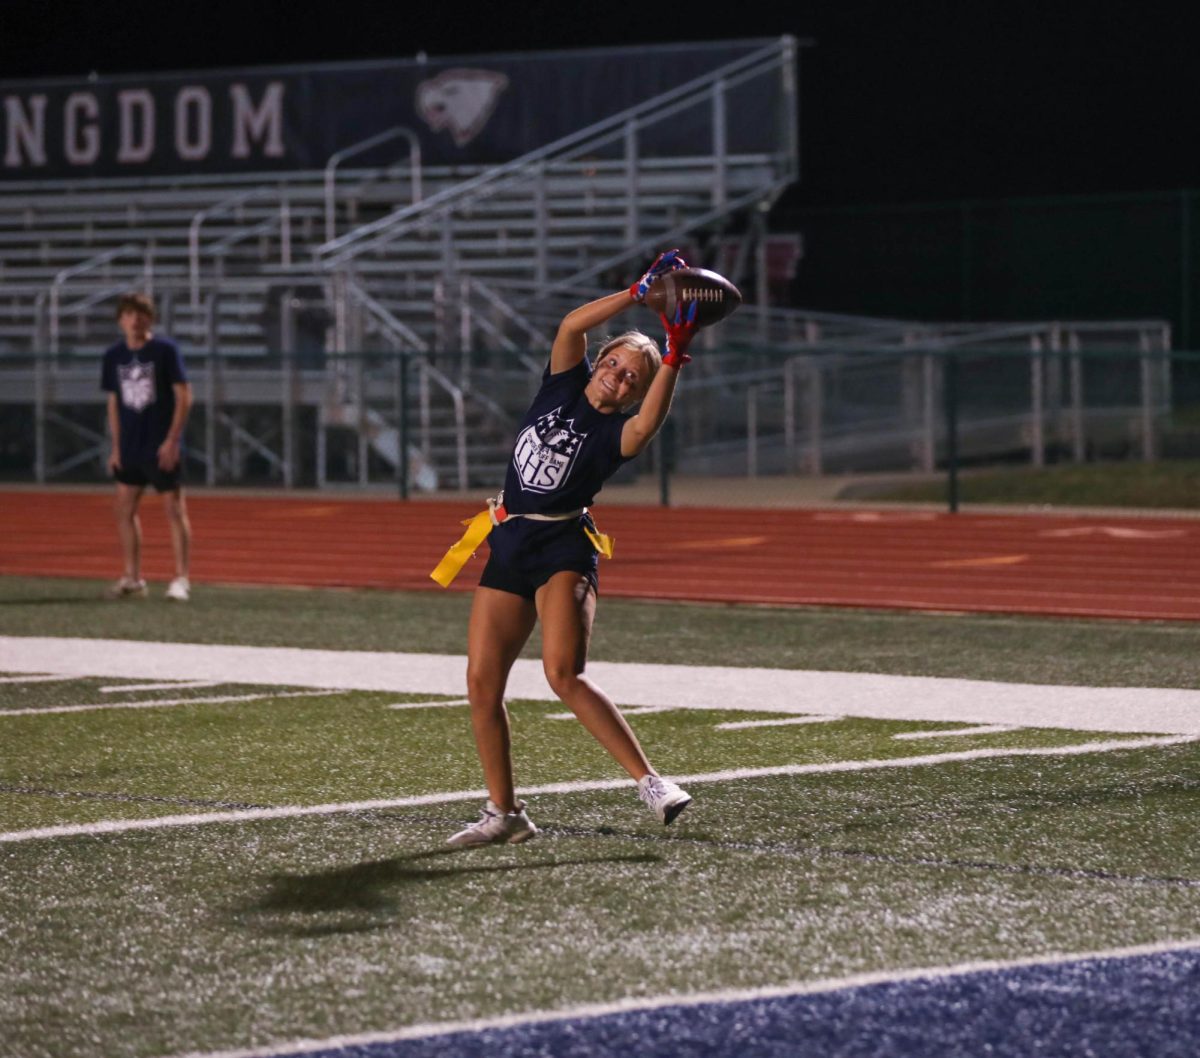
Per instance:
{"type": "Point", "coordinates": [714, 295]}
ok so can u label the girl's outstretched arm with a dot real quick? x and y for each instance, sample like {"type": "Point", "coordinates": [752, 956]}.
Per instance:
{"type": "Point", "coordinates": [571, 341]}
{"type": "Point", "coordinates": [641, 428]}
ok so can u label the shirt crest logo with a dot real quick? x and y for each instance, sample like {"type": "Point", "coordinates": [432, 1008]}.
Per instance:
{"type": "Point", "coordinates": [545, 452]}
{"type": "Point", "coordinates": [137, 384]}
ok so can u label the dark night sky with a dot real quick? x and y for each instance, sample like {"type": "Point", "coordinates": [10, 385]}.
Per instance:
{"type": "Point", "coordinates": [900, 102]}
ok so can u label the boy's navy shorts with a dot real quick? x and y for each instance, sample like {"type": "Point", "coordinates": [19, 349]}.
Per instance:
{"type": "Point", "coordinates": [148, 472]}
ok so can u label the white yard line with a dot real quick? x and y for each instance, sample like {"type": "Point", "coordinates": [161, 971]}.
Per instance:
{"type": "Point", "coordinates": [744, 725]}
{"type": "Point", "coordinates": [634, 710]}
{"type": "Point", "coordinates": [742, 995]}
{"type": "Point", "coordinates": [165, 702]}
{"type": "Point", "coordinates": [1124, 709]}
{"type": "Point", "coordinates": [430, 705]}
{"type": "Point", "coordinates": [953, 732]}
{"type": "Point", "coordinates": [174, 685]}
{"type": "Point", "coordinates": [116, 826]}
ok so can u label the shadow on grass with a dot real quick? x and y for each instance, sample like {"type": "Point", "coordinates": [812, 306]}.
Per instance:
{"type": "Point", "coordinates": [369, 896]}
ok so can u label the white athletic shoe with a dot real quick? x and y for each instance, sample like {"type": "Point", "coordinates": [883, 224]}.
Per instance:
{"type": "Point", "coordinates": [496, 828]}
{"type": "Point", "coordinates": [127, 588]}
{"type": "Point", "coordinates": [179, 589]}
{"type": "Point", "coordinates": [663, 797]}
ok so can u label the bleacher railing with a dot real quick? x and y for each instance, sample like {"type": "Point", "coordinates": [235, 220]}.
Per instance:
{"type": "Point", "coordinates": [303, 419]}
{"type": "Point", "coordinates": [622, 132]}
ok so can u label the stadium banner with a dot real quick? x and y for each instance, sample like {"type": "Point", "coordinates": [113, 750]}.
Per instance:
{"type": "Point", "coordinates": [466, 110]}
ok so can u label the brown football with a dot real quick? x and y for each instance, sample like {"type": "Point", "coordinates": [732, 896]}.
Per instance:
{"type": "Point", "coordinates": [714, 295]}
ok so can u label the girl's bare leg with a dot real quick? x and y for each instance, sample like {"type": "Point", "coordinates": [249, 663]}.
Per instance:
{"type": "Point", "coordinates": [566, 605]}
{"type": "Point", "coordinates": [499, 627]}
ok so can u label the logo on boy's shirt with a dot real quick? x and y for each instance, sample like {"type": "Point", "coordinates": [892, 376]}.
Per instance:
{"type": "Point", "coordinates": [546, 451]}
{"type": "Point", "coordinates": [137, 384]}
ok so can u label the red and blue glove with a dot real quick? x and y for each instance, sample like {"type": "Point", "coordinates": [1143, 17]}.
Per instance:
{"type": "Point", "coordinates": [680, 331]}
{"type": "Point", "coordinates": [669, 261]}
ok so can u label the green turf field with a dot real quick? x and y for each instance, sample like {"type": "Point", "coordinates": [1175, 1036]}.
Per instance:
{"type": "Point", "coordinates": [1165, 484]}
{"type": "Point", "coordinates": [311, 893]}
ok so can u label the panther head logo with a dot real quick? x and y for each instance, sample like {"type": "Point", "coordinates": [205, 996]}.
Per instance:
{"type": "Point", "coordinates": [461, 100]}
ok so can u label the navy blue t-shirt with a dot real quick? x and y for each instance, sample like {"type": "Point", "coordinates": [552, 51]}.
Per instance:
{"type": "Point", "coordinates": [564, 452]}
{"type": "Point", "coordinates": [143, 382]}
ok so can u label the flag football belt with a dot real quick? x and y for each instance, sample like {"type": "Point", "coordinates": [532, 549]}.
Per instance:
{"type": "Point", "coordinates": [484, 522]}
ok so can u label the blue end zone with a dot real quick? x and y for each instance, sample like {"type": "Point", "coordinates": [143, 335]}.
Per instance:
{"type": "Point", "coordinates": [1147, 1005]}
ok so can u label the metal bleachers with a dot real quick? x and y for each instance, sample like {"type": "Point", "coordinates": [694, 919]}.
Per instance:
{"type": "Point", "coordinates": [411, 257]}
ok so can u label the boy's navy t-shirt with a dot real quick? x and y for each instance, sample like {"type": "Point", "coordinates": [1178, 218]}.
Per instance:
{"type": "Point", "coordinates": [143, 381]}
{"type": "Point", "coordinates": [565, 451]}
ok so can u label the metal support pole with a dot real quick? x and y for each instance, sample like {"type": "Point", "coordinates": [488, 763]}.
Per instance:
{"type": "Point", "coordinates": [720, 192]}
{"type": "Point", "coordinates": [762, 284]}
{"type": "Point", "coordinates": [815, 412]}
{"type": "Point", "coordinates": [789, 414]}
{"type": "Point", "coordinates": [465, 325]}
{"type": "Point", "coordinates": [340, 311]}
{"type": "Point", "coordinates": [541, 227]}
{"type": "Point", "coordinates": [285, 233]}
{"type": "Point", "coordinates": [1145, 363]}
{"type": "Point", "coordinates": [1075, 386]}
{"type": "Point", "coordinates": [752, 431]}
{"type": "Point", "coordinates": [211, 337]}
{"type": "Point", "coordinates": [632, 206]}
{"type": "Point", "coordinates": [1165, 395]}
{"type": "Point", "coordinates": [1037, 399]}
{"type": "Point", "coordinates": [288, 412]}
{"type": "Point", "coordinates": [928, 414]}
{"type": "Point", "coordinates": [40, 358]}
{"type": "Point", "coordinates": [364, 444]}
{"type": "Point", "coordinates": [166, 311]}
{"type": "Point", "coordinates": [666, 446]}
{"type": "Point", "coordinates": [402, 423]}
{"type": "Point", "coordinates": [210, 420]}
{"type": "Point", "coordinates": [426, 417]}
{"type": "Point", "coordinates": [322, 439]}
{"type": "Point", "coordinates": [950, 395]}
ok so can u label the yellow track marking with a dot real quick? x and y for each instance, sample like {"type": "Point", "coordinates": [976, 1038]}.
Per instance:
{"type": "Point", "coordinates": [724, 542]}
{"type": "Point", "coordinates": [983, 560]}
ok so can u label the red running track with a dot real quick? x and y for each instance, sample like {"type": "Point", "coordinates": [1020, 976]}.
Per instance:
{"type": "Point", "coordinates": [1076, 565]}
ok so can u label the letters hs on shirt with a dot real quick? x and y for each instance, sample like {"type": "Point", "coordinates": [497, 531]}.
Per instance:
{"type": "Point", "coordinates": [546, 451]}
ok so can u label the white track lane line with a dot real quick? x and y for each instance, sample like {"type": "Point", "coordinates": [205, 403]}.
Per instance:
{"type": "Point", "coordinates": [743, 725]}
{"type": "Point", "coordinates": [742, 995]}
{"type": "Point", "coordinates": [166, 702]}
{"type": "Point", "coordinates": [117, 826]}
{"type": "Point", "coordinates": [954, 732]}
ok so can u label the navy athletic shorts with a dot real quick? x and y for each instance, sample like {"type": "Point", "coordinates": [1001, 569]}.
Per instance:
{"type": "Point", "coordinates": [148, 472]}
{"type": "Point", "coordinates": [526, 581]}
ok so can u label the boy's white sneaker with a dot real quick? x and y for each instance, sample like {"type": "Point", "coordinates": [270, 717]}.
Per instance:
{"type": "Point", "coordinates": [496, 828]}
{"type": "Point", "coordinates": [663, 797]}
{"type": "Point", "coordinates": [127, 588]}
{"type": "Point", "coordinates": [179, 589]}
